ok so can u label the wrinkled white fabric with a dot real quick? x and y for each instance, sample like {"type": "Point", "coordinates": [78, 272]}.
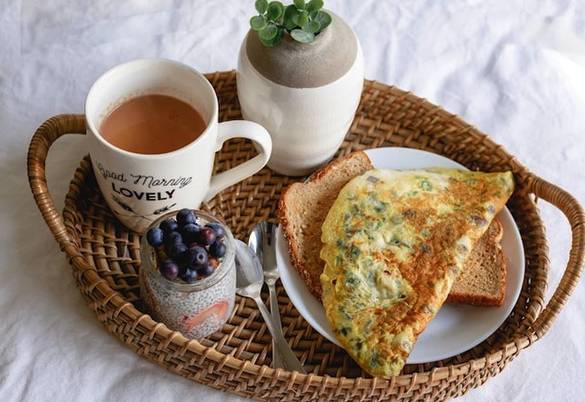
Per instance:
{"type": "Point", "coordinates": [515, 69]}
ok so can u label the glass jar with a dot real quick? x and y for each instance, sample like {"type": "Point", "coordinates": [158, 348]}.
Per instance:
{"type": "Point", "coordinates": [195, 309]}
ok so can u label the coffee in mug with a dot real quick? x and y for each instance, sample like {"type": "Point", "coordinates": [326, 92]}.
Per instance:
{"type": "Point", "coordinates": [152, 124]}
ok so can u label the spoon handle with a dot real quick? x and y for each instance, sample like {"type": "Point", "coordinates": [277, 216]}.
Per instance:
{"type": "Point", "coordinates": [276, 358]}
{"type": "Point", "coordinates": [291, 362]}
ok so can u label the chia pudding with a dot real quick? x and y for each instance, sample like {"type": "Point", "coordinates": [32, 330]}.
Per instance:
{"type": "Point", "coordinates": [191, 293]}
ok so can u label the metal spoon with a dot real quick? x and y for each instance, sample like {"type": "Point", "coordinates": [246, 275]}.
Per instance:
{"type": "Point", "coordinates": [249, 280]}
{"type": "Point", "coordinates": [263, 241]}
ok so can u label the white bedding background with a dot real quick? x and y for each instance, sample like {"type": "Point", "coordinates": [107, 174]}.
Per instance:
{"type": "Point", "coordinates": [515, 69]}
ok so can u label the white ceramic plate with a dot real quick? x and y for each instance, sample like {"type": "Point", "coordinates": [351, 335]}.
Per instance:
{"type": "Point", "coordinates": [456, 328]}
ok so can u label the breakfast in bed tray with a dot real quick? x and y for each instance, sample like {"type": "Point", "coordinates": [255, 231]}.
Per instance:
{"type": "Point", "coordinates": [402, 250]}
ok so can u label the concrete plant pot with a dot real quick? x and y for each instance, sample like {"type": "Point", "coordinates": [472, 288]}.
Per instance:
{"type": "Point", "coordinates": [305, 95]}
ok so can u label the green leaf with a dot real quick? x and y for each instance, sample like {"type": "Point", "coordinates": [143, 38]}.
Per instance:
{"type": "Point", "coordinates": [275, 10]}
{"type": "Point", "coordinates": [258, 23]}
{"type": "Point", "coordinates": [302, 19]}
{"type": "Point", "coordinates": [312, 27]}
{"type": "Point", "coordinates": [261, 6]}
{"type": "Point", "coordinates": [299, 4]}
{"type": "Point", "coordinates": [274, 41]}
{"type": "Point", "coordinates": [324, 19]}
{"type": "Point", "coordinates": [289, 16]}
{"type": "Point", "coordinates": [269, 32]}
{"type": "Point", "coordinates": [302, 36]}
{"type": "Point", "coordinates": [313, 14]}
{"type": "Point", "coordinates": [314, 5]}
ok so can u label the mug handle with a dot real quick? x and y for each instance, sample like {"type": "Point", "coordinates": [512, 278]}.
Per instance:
{"type": "Point", "coordinates": [240, 129]}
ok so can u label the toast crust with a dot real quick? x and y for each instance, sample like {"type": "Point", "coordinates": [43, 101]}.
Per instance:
{"type": "Point", "coordinates": [311, 277]}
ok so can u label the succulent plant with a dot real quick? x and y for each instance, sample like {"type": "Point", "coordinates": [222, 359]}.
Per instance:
{"type": "Point", "coordinates": [301, 20]}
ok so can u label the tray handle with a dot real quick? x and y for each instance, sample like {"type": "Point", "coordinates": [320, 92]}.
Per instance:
{"type": "Point", "coordinates": [38, 149]}
{"type": "Point", "coordinates": [569, 206]}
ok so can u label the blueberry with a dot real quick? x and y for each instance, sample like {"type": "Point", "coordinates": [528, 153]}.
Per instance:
{"type": "Point", "coordinates": [155, 237]}
{"type": "Point", "coordinates": [185, 259]}
{"type": "Point", "coordinates": [218, 229]}
{"type": "Point", "coordinates": [217, 249]}
{"type": "Point", "coordinates": [185, 216]}
{"type": "Point", "coordinates": [205, 270]}
{"type": "Point", "coordinates": [169, 225]}
{"type": "Point", "coordinates": [169, 269]}
{"type": "Point", "coordinates": [189, 276]}
{"type": "Point", "coordinates": [198, 255]}
{"type": "Point", "coordinates": [173, 237]}
{"type": "Point", "coordinates": [189, 258]}
{"type": "Point", "coordinates": [206, 236]}
{"type": "Point", "coordinates": [177, 251]}
{"type": "Point", "coordinates": [189, 232]}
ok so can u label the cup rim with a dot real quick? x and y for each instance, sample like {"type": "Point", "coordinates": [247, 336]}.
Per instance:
{"type": "Point", "coordinates": [116, 69]}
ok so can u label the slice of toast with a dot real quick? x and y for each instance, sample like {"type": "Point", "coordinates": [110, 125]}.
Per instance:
{"type": "Point", "coordinates": [302, 208]}
{"type": "Point", "coordinates": [482, 282]}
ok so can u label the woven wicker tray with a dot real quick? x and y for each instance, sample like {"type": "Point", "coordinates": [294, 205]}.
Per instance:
{"type": "Point", "coordinates": [105, 261]}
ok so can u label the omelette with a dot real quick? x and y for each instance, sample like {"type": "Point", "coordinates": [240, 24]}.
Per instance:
{"type": "Point", "coordinates": [393, 244]}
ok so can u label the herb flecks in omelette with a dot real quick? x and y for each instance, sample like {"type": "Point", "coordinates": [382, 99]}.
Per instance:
{"type": "Point", "coordinates": [393, 244]}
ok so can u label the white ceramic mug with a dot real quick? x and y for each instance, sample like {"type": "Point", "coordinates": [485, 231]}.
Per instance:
{"type": "Point", "coordinates": [138, 187]}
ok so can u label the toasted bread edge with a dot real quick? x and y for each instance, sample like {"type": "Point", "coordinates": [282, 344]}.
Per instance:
{"type": "Point", "coordinates": [287, 230]}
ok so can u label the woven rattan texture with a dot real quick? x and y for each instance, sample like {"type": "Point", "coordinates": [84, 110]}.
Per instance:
{"type": "Point", "coordinates": [105, 260]}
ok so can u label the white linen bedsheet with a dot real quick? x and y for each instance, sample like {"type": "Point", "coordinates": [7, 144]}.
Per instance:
{"type": "Point", "coordinates": [515, 69]}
